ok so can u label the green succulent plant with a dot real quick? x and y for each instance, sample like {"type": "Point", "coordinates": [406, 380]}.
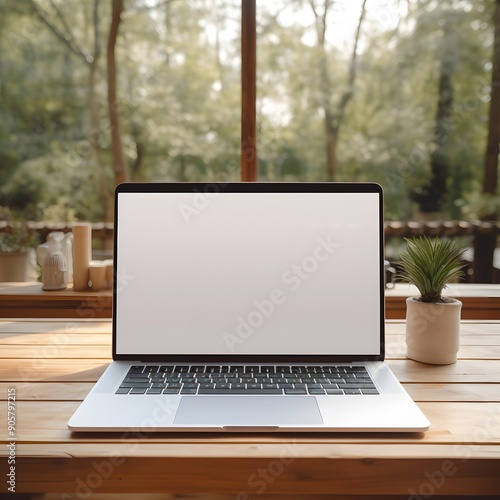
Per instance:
{"type": "Point", "coordinates": [430, 264]}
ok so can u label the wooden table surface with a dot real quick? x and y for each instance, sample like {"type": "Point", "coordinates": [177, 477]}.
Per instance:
{"type": "Point", "coordinates": [50, 365]}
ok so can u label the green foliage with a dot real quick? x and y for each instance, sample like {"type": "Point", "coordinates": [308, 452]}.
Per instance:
{"type": "Point", "coordinates": [179, 98]}
{"type": "Point", "coordinates": [20, 237]}
{"type": "Point", "coordinates": [430, 264]}
{"type": "Point", "coordinates": [482, 206]}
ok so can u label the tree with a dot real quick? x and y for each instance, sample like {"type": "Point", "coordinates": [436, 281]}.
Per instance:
{"type": "Point", "coordinates": [62, 30]}
{"type": "Point", "coordinates": [334, 112]}
{"type": "Point", "coordinates": [119, 161]}
{"type": "Point", "coordinates": [431, 196]}
{"type": "Point", "coordinates": [485, 244]}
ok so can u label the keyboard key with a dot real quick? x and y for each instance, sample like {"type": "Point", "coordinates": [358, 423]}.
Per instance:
{"type": "Point", "coordinates": [369, 391]}
{"type": "Point", "coordinates": [316, 391]}
{"type": "Point", "coordinates": [254, 386]}
{"type": "Point", "coordinates": [136, 385]}
{"type": "Point", "coordinates": [158, 386]}
{"type": "Point", "coordinates": [207, 386]}
{"type": "Point", "coordinates": [295, 391]}
{"type": "Point", "coordinates": [136, 369]}
{"type": "Point", "coordinates": [335, 392]}
{"type": "Point", "coordinates": [352, 391]}
{"type": "Point", "coordinates": [136, 379]}
{"type": "Point", "coordinates": [181, 369]}
{"type": "Point", "coordinates": [314, 386]}
{"type": "Point", "coordinates": [213, 369]}
{"type": "Point", "coordinates": [270, 386]}
{"type": "Point", "coordinates": [171, 391]}
{"type": "Point", "coordinates": [217, 380]}
{"type": "Point", "coordinates": [283, 369]}
{"type": "Point", "coordinates": [174, 386]}
{"type": "Point", "coordinates": [185, 390]}
{"type": "Point", "coordinates": [252, 369]}
{"type": "Point", "coordinates": [198, 381]}
{"type": "Point", "coordinates": [330, 386]}
{"type": "Point", "coordinates": [154, 391]}
{"type": "Point", "coordinates": [123, 390]}
{"type": "Point", "coordinates": [238, 386]}
{"type": "Point", "coordinates": [367, 384]}
{"type": "Point", "coordinates": [240, 391]}
{"type": "Point", "coordinates": [137, 391]}
{"type": "Point", "coordinates": [222, 386]}
{"type": "Point", "coordinates": [197, 369]}
{"type": "Point", "coordinates": [151, 369]}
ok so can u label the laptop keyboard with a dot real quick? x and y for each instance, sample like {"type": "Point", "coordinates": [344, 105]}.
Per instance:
{"type": "Point", "coordinates": [251, 379]}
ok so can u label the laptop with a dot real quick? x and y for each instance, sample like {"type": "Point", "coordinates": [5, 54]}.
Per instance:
{"type": "Point", "coordinates": [248, 307]}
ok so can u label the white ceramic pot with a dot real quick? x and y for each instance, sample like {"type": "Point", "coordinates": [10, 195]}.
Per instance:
{"type": "Point", "coordinates": [14, 266]}
{"type": "Point", "coordinates": [433, 331]}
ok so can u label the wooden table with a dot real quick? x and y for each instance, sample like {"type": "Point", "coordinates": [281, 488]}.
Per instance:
{"type": "Point", "coordinates": [51, 365]}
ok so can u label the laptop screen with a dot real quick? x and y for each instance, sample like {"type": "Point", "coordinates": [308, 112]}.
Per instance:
{"type": "Point", "coordinates": [248, 269]}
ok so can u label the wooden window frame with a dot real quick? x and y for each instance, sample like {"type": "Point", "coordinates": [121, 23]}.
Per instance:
{"type": "Point", "coordinates": [248, 91]}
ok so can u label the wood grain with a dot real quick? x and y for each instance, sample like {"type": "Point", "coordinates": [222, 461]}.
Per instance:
{"type": "Point", "coordinates": [53, 364]}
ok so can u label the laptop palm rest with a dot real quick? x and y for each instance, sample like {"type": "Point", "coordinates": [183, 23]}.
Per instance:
{"type": "Point", "coordinates": [254, 411]}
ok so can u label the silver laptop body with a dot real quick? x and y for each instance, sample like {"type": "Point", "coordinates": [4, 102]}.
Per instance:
{"type": "Point", "coordinates": [248, 307]}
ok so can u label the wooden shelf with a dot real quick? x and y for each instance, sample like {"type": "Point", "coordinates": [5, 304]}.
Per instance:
{"type": "Point", "coordinates": [479, 301]}
{"type": "Point", "coordinates": [28, 300]}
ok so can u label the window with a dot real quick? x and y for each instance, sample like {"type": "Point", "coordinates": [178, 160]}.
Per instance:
{"type": "Point", "coordinates": [391, 91]}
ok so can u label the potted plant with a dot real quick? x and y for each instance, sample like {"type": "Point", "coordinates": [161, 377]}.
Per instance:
{"type": "Point", "coordinates": [16, 248]}
{"type": "Point", "coordinates": [432, 319]}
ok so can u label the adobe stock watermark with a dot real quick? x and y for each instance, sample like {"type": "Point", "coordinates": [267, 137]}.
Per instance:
{"type": "Point", "coordinates": [293, 278]}
{"type": "Point", "coordinates": [201, 200]}
{"type": "Point", "coordinates": [435, 480]}
{"type": "Point", "coordinates": [260, 479]}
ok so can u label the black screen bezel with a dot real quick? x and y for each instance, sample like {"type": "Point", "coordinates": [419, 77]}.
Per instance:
{"type": "Point", "coordinates": [210, 189]}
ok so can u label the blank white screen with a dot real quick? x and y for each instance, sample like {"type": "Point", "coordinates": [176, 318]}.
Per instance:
{"type": "Point", "coordinates": [248, 273]}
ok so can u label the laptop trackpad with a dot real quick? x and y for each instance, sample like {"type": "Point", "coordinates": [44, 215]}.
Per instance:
{"type": "Point", "coordinates": [248, 411]}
